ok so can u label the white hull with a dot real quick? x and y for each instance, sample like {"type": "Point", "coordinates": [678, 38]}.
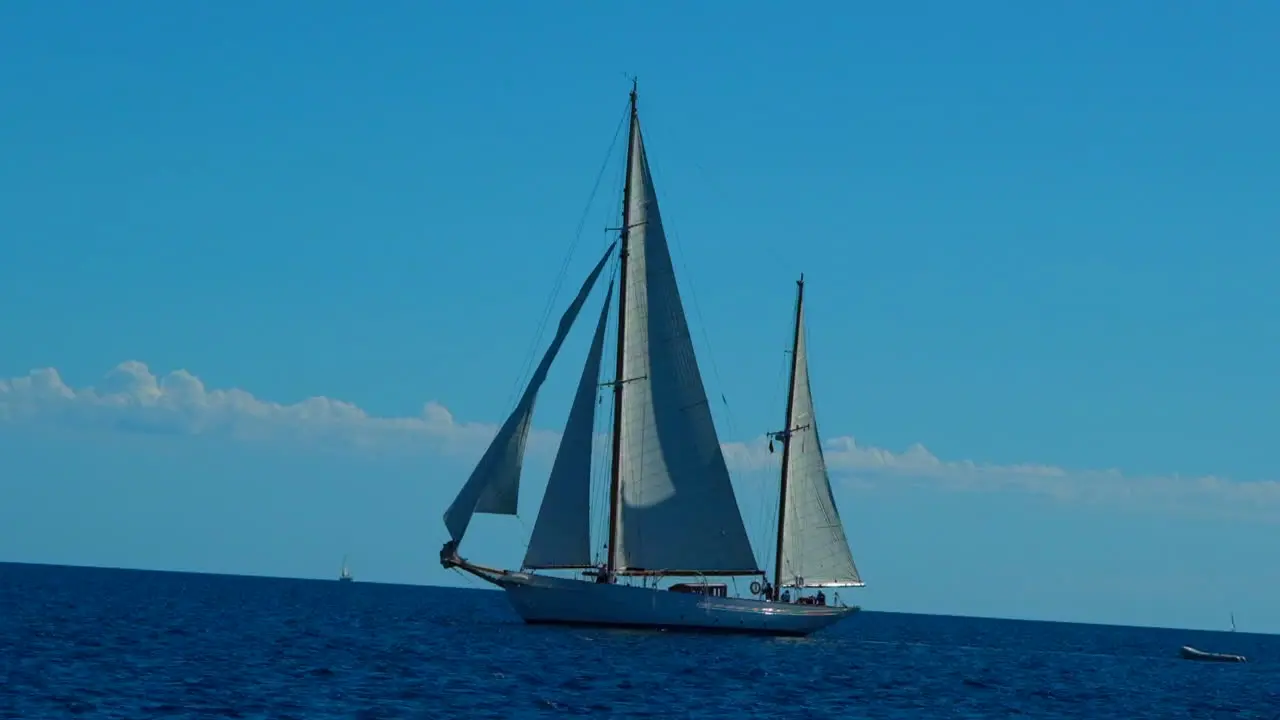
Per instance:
{"type": "Point", "coordinates": [545, 599]}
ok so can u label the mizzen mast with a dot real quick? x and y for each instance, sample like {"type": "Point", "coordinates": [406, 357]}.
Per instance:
{"type": "Point", "coordinates": [785, 437]}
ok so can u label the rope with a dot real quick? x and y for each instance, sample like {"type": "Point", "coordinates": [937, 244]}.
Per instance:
{"type": "Point", "coordinates": [564, 265]}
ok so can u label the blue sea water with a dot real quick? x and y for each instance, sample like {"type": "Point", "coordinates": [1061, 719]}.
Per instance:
{"type": "Point", "coordinates": [96, 643]}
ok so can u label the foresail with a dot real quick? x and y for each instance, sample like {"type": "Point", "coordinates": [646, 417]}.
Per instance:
{"type": "Point", "coordinates": [678, 509]}
{"type": "Point", "coordinates": [815, 552]}
{"type": "Point", "coordinates": [562, 533]}
{"type": "Point", "coordinates": [494, 485]}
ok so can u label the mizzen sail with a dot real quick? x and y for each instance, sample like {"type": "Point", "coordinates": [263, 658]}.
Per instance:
{"type": "Point", "coordinates": [814, 550]}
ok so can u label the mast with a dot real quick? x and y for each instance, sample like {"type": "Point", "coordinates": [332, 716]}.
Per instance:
{"type": "Point", "coordinates": [786, 441]}
{"type": "Point", "coordinates": [615, 485]}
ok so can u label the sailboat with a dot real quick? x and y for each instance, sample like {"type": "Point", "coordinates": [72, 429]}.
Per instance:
{"type": "Point", "coordinates": [344, 575]}
{"type": "Point", "coordinates": [672, 512]}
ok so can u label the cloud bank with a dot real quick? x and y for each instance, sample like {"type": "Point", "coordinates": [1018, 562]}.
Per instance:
{"type": "Point", "coordinates": [133, 399]}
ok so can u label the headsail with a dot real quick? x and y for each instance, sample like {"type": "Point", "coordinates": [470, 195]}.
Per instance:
{"type": "Point", "coordinates": [562, 533]}
{"type": "Point", "coordinates": [678, 510]}
{"type": "Point", "coordinates": [814, 550]}
{"type": "Point", "coordinates": [494, 485]}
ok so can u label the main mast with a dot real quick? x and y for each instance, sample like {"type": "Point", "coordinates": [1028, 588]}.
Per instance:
{"type": "Point", "coordinates": [615, 487]}
{"type": "Point", "coordinates": [786, 441]}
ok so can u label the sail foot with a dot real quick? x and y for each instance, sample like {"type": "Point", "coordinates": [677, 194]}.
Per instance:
{"type": "Point", "coordinates": [640, 572]}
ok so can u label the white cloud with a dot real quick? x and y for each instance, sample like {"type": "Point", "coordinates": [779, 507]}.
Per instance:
{"type": "Point", "coordinates": [133, 399]}
{"type": "Point", "coordinates": [844, 453]}
{"type": "Point", "coordinates": [869, 467]}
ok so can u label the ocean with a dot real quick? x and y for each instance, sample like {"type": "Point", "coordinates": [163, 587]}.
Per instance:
{"type": "Point", "coordinates": [99, 643]}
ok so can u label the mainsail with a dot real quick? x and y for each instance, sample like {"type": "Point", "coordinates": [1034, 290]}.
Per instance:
{"type": "Point", "coordinates": [562, 533]}
{"type": "Point", "coordinates": [494, 485]}
{"type": "Point", "coordinates": [813, 549]}
{"type": "Point", "coordinates": [678, 512]}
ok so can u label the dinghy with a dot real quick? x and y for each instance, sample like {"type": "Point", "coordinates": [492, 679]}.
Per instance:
{"type": "Point", "coordinates": [1190, 653]}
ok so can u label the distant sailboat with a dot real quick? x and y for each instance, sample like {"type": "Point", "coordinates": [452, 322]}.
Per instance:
{"type": "Point", "coordinates": [1233, 622]}
{"type": "Point", "coordinates": [672, 511]}
{"type": "Point", "coordinates": [345, 574]}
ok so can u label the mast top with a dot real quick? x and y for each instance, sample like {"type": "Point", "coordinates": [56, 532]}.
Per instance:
{"type": "Point", "coordinates": [634, 81]}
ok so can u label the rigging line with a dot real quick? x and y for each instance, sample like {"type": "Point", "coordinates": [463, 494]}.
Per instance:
{"type": "Point", "coordinates": [524, 529]}
{"type": "Point", "coordinates": [598, 496]}
{"type": "Point", "coordinates": [602, 499]}
{"type": "Point", "coordinates": [593, 486]}
{"type": "Point", "coordinates": [467, 576]}
{"type": "Point", "coordinates": [564, 265]}
{"type": "Point", "coordinates": [770, 506]}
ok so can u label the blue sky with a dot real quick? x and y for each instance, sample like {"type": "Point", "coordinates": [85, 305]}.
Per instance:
{"type": "Point", "coordinates": [1036, 239]}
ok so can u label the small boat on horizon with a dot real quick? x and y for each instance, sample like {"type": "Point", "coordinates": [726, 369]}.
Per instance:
{"type": "Point", "coordinates": [344, 575]}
